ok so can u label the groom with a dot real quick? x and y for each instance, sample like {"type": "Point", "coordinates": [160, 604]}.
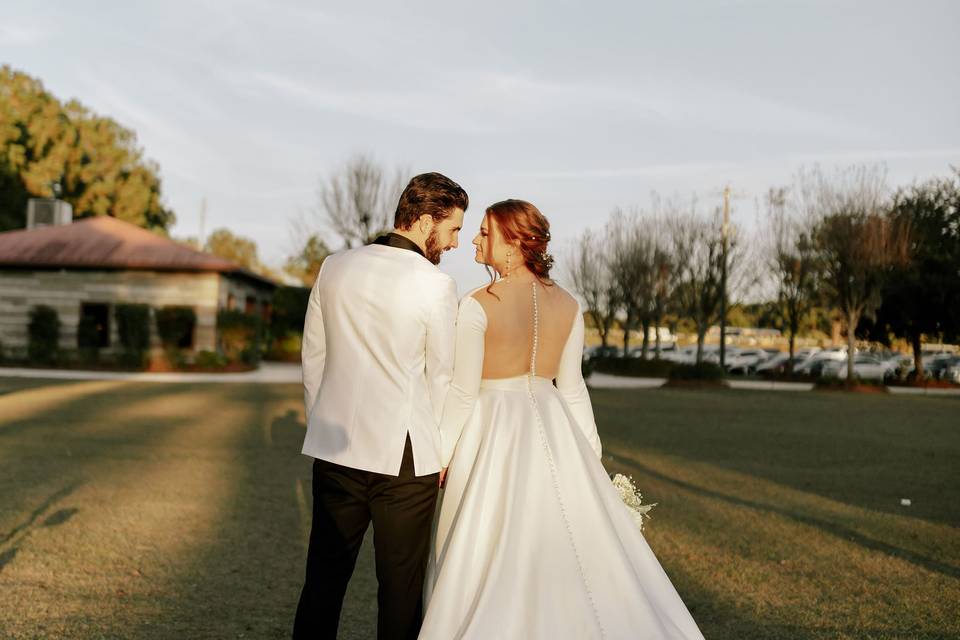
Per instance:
{"type": "Point", "coordinates": [378, 346]}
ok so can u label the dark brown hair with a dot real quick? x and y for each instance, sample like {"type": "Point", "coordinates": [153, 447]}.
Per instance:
{"type": "Point", "coordinates": [521, 222]}
{"type": "Point", "coordinates": [429, 193]}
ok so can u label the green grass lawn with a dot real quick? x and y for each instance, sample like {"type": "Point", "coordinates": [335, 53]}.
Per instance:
{"type": "Point", "coordinates": [132, 510]}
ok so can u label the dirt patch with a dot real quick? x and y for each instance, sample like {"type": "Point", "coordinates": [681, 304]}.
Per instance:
{"type": "Point", "coordinates": [696, 384]}
{"type": "Point", "coordinates": [926, 384]}
{"type": "Point", "coordinates": [853, 388]}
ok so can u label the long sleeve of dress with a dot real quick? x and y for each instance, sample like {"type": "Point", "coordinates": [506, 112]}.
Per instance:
{"type": "Point", "coordinates": [467, 369]}
{"type": "Point", "coordinates": [440, 347]}
{"type": "Point", "coordinates": [571, 386]}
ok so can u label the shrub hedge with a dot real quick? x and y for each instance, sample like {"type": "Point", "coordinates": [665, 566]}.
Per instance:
{"type": "Point", "coordinates": [632, 367]}
{"type": "Point", "coordinates": [707, 371]}
{"type": "Point", "coordinates": [239, 336]}
{"type": "Point", "coordinates": [133, 330]}
{"type": "Point", "coordinates": [175, 326]}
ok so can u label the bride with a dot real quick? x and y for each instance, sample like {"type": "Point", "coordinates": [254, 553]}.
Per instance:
{"type": "Point", "coordinates": [531, 539]}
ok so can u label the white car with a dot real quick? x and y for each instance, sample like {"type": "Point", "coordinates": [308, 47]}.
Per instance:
{"type": "Point", "coordinates": [900, 365]}
{"type": "Point", "coordinates": [745, 361]}
{"type": "Point", "coordinates": [637, 352]}
{"type": "Point", "coordinates": [683, 355]}
{"type": "Point", "coordinates": [774, 364]}
{"type": "Point", "coordinates": [814, 363]}
{"type": "Point", "coordinates": [711, 353]}
{"type": "Point", "coordinates": [936, 365]}
{"type": "Point", "coordinates": [866, 366]}
{"type": "Point", "coordinates": [952, 373]}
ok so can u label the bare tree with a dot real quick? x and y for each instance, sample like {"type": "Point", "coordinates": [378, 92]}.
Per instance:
{"type": "Point", "coordinates": [591, 277]}
{"type": "Point", "coordinates": [631, 254]}
{"type": "Point", "coordinates": [664, 271]}
{"type": "Point", "coordinates": [358, 200]}
{"type": "Point", "coordinates": [664, 282]}
{"type": "Point", "coordinates": [791, 256]}
{"type": "Point", "coordinates": [698, 250]}
{"type": "Point", "coordinates": [857, 242]}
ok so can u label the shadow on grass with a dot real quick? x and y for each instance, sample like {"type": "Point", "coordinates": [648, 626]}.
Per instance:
{"type": "Point", "coordinates": [826, 526]}
{"type": "Point", "coordinates": [7, 557]}
{"type": "Point", "coordinates": [88, 407]}
{"type": "Point", "coordinates": [720, 621]}
{"type": "Point", "coordinates": [10, 386]}
{"type": "Point", "coordinates": [39, 511]}
{"type": "Point", "coordinates": [244, 580]}
{"type": "Point", "coordinates": [867, 451]}
{"type": "Point", "coordinates": [56, 446]}
{"type": "Point", "coordinates": [287, 431]}
{"type": "Point", "coordinates": [20, 532]}
{"type": "Point", "coordinates": [59, 517]}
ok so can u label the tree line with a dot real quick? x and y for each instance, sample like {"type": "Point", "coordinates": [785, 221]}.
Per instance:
{"type": "Point", "coordinates": [52, 148]}
{"type": "Point", "coordinates": [887, 263]}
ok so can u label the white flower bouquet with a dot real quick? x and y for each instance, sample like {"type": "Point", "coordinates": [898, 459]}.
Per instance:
{"type": "Point", "coordinates": [632, 499]}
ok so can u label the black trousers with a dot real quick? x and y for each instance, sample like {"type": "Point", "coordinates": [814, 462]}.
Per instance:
{"type": "Point", "coordinates": [345, 502]}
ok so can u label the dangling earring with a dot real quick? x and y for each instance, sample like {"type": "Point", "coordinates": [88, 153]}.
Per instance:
{"type": "Point", "coordinates": [508, 265]}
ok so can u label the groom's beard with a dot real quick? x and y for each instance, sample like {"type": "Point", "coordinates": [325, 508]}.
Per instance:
{"type": "Point", "coordinates": [433, 248]}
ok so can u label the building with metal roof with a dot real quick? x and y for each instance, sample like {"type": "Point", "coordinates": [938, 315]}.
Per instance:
{"type": "Point", "coordinates": [87, 267]}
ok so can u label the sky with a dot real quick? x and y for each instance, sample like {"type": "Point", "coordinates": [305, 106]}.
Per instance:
{"type": "Point", "coordinates": [577, 107]}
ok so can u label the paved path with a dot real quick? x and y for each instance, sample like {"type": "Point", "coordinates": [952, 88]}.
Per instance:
{"type": "Point", "coordinates": [607, 381]}
{"type": "Point", "coordinates": [268, 373]}
{"type": "Point", "coordinates": [282, 373]}
{"type": "Point", "coordinates": [770, 385]}
{"type": "Point", "coordinates": [924, 391]}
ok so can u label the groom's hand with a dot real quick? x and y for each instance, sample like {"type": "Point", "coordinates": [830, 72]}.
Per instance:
{"type": "Point", "coordinates": [443, 477]}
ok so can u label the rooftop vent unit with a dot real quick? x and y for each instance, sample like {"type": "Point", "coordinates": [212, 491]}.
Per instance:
{"type": "Point", "coordinates": [44, 212]}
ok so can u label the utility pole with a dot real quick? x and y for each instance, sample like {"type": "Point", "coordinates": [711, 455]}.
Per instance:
{"type": "Point", "coordinates": [723, 277]}
{"type": "Point", "coordinates": [203, 222]}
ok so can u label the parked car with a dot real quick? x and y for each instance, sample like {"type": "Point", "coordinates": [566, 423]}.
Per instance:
{"type": "Point", "coordinates": [685, 355]}
{"type": "Point", "coordinates": [951, 372]}
{"type": "Point", "coordinates": [745, 361]}
{"type": "Point", "coordinates": [813, 364]}
{"type": "Point", "coordinates": [637, 352]}
{"type": "Point", "coordinates": [900, 366]}
{"type": "Point", "coordinates": [601, 351]}
{"type": "Point", "coordinates": [711, 353]}
{"type": "Point", "coordinates": [935, 366]}
{"type": "Point", "coordinates": [776, 364]}
{"type": "Point", "coordinates": [866, 366]}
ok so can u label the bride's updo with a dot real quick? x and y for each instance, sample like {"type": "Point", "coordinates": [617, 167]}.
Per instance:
{"type": "Point", "coordinates": [521, 222]}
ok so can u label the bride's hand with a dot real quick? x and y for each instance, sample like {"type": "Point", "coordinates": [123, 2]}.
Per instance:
{"type": "Point", "coordinates": [443, 477]}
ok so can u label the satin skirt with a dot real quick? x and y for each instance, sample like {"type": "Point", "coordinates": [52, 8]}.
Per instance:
{"type": "Point", "coordinates": [531, 539]}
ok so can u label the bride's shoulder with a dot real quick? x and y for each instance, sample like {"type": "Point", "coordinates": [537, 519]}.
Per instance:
{"type": "Point", "coordinates": [471, 312]}
{"type": "Point", "coordinates": [480, 297]}
{"type": "Point", "coordinates": [563, 297]}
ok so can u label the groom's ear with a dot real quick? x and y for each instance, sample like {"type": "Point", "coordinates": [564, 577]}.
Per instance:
{"type": "Point", "coordinates": [425, 223]}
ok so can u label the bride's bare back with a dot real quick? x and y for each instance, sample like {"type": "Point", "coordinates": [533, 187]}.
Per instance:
{"type": "Point", "coordinates": [508, 343]}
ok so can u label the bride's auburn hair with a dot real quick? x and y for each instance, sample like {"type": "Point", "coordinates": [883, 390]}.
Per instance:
{"type": "Point", "coordinates": [522, 223]}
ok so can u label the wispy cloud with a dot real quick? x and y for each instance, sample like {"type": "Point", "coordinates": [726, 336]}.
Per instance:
{"type": "Point", "coordinates": [878, 155]}
{"type": "Point", "coordinates": [181, 151]}
{"type": "Point", "coordinates": [653, 169]}
{"type": "Point", "coordinates": [25, 34]}
{"type": "Point", "coordinates": [680, 169]}
{"type": "Point", "coordinates": [587, 110]}
{"type": "Point", "coordinates": [495, 101]}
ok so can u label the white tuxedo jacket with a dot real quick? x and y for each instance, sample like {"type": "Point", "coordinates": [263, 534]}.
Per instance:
{"type": "Point", "coordinates": [378, 350]}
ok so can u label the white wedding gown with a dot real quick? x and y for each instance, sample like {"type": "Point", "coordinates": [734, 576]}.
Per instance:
{"type": "Point", "coordinates": [532, 539]}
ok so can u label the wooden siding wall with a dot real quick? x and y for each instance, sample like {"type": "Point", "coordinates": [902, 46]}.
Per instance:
{"type": "Point", "coordinates": [240, 289]}
{"type": "Point", "coordinates": [66, 290]}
